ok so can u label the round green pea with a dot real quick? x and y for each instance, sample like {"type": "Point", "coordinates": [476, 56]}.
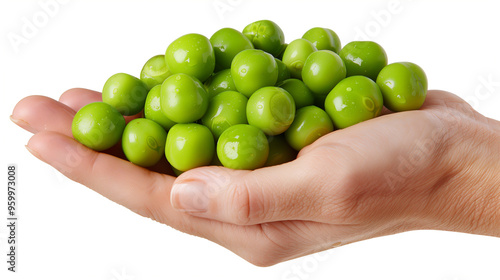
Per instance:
{"type": "Point", "coordinates": [266, 35]}
{"type": "Point", "coordinates": [322, 71]}
{"type": "Point", "coordinates": [152, 109]}
{"type": "Point", "coordinates": [155, 71]}
{"type": "Point", "coordinates": [189, 146]}
{"type": "Point", "coordinates": [301, 94]}
{"type": "Point", "coordinates": [283, 49]}
{"type": "Point", "coordinates": [226, 109]}
{"type": "Point", "coordinates": [243, 146]}
{"type": "Point", "coordinates": [323, 39]}
{"type": "Point", "coordinates": [183, 99]}
{"type": "Point", "coordinates": [283, 72]}
{"type": "Point", "coordinates": [295, 56]}
{"type": "Point", "coordinates": [143, 142]}
{"type": "Point", "coordinates": [126, 93]}
{"type": "Point", "coordinates": [191, 54]}
{"type": "Point", "coordinates": [353, 100]}
{"type": "Point", "coordinates": [271, 109]}
{"type": "Point", "coordinates": [403, 86]}
{"type": "Point", "coordinates": [310, 124]}
{"type": "Point", "coordinates": [279, 151]}
{"type": "Point", "coordinates": [227, 43]}
{"type": "Point", "coordinates": [219, 82]}
{"type": "Point", "coordinates": [98, 126]}
{"type": "Point", "coordinates": [253, 69]}
{"type": "Point", "coordinates": [364, 58]}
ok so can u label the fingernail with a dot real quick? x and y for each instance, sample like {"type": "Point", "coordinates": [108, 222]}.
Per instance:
{"type": "Point", "coordinates": [33, 152]}
{"type": "Point", "coordinates": [190, 197]}
{"type": "Point", "coordinates": [22, 124]}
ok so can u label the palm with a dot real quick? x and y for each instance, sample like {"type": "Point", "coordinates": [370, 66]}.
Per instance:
{"type": "Point", "coordinates": [366, 150]}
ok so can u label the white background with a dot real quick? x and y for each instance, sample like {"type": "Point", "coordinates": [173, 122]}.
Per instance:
{"type": "Point", "coordinates": [67, 231]}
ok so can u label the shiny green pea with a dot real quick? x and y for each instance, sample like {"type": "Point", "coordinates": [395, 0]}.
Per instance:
{"type": "Point", "coordinates": [279, 151]}
{"type": "Point", "coordinates": [323, 39]}
{"type": "Point", "coordinates": [183, 98]}
{"type": "Point", "coordinates": [295, 56]}
{"type": "Point", "coordinates": [219, 82]}
{"type": "Point", "coordinates": [152, 109]}
{"type": "Point", "coordinates": [126, 93]}
{"type": "Point", "coordinates": [98, 126]}
{"type": "Point", "coordinates": [403, 86]}
{"type": "Point", "coordinates": [364, 58]}
{"type": "Point", "coordinates": [253, 69]}
{"type": "Point", "coordinates": [353, 100]}
{"type": "Point", "coordinates": [243, 146]}
{"type": "Point", "coordinates": [143, 142]}
{"type": "Point", "coordinates": [266, 35]}
{"type": "Point", "coordinates": [310, 124]}
{"type": "Point", "coordinates": [227, 43]}
{"type": "Point", "coordinates": [155, 71]}
{"type": "Point", "coordinates": [283, 72]}
{"type": "Point", "coordinates": [189, 146]}
{"type": "Point", "coordinates": [191, 54]}
{"type": "Point", "coordinates": [301, 94]}
{"type": "Point", "coordinates": [322, 71]}
{"type": "Point", "coordinates": [226, 109]}
{"type": "Point", "coordinates": [271, 109]}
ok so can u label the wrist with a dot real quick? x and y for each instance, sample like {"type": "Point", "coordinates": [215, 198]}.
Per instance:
{"type": "Point", "coordinates": [467, 196]}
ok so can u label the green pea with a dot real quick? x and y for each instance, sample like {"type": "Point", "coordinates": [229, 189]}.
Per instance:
{"type": "Point", "coordinates": [253, 69]}
{"type": "Point", "coordinates": [183, 98]}
{"type": "Point", "coordinates": [98, 126]}
{"type": "Point", "coordinates": [155, 71]}
{"type": "Point", "coordinates": [271, 109]}
{"type": "Point", "coordinates": [126, 93]}
{"type": "Point", "coordinates": [266, 35]}
{"type": "Point", "coordinates": [283, 49]}
{"type": "Point", "coordinates": [279, 151]}
{"type": "Point", "coordinates": [143, 142]}
{"type": "Point", "coordinates": [323, 39]}
{"type": "Point", "coordinates": [364, 58]}
{"type": "Point", "coordinates": [353, 100]}
{"type": "Point", "coordinates": [226, 109]}
{"type": "Point", "coordinates": [322, 71]}
{"type": "Point", "coordinates": [243, 146]}
{"type": "Point", "coordinates": [403, 86]}
{"type": "Point", "coordinates": [310, 124]}
{"type": "Point", "coordinates": [283, 72]}
{"type": "Point", "coordinates": [152, 109]}
{"type": "Point", "coordinates": [191, 54]}
{"type": "Point", "coordinates": [295, 56]}
{"type": "Point", "coordinates": [227, 43]}
{"type": "Point", "coordinates": [189, 146]}
{"type": "Point", "coordinates": [219, 82]}
{"type": "Point", "coordinates": [301, 94]}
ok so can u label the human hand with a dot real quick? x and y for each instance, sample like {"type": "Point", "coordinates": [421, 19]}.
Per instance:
{"type": "Point", "coordinates": [436, 168]}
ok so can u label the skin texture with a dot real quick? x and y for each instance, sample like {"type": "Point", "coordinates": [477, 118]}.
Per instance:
{"type": "Point", "coordinates": [339, 190]}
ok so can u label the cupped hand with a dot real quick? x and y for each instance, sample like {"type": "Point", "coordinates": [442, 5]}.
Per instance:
{"type": "Point", "coordinates": [435, 168]}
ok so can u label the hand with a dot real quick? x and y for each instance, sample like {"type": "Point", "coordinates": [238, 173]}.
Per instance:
{"type": "Point", "coordinates": [436, 168]}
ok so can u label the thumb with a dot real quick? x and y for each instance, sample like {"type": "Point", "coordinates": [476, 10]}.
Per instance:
{"type": "Point", "coordinates": [291, 191]}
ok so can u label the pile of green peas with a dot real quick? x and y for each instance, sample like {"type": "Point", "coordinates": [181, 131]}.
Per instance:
{"type": "Point", "coordinates": [246, 100]}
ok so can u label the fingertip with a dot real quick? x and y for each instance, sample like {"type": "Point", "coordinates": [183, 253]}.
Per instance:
{"type": "Point", "coordinates": [76, 98]}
